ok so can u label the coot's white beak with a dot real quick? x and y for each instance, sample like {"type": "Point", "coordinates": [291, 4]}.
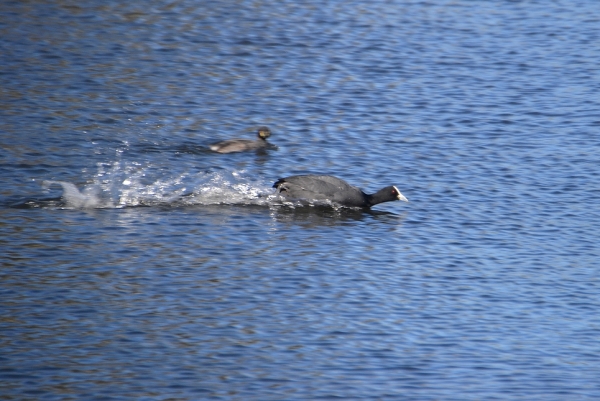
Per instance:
{"type": "Point", "coordinates": [400, 196]}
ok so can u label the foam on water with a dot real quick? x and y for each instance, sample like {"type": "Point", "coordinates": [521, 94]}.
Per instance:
{"type": "Point", "coordinates": [117, 190]}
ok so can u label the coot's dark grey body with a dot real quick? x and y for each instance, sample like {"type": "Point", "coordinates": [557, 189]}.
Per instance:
{"type": "Point", "coordinates": [241, 145]}
{"type": "Point", "coordinates": [326, 187]}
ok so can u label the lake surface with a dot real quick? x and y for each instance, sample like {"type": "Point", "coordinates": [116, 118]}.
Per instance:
{"type": "Point", "coordinates": [138, 265]}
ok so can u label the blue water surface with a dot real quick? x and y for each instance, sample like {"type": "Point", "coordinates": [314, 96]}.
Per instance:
{"type": "Point", "coordinates": [139, 265]}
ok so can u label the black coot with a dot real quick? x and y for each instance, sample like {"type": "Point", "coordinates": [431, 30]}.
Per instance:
{"type": "Point", "coordinates": [241, 145]}
{"type": "Point", "coordinates": [326, 187]}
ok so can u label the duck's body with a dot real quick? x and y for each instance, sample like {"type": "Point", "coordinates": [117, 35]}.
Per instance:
{"type": "Point", "coordinates": [326, 187]}
{"type": "Point", "coordinates": [242, 145]}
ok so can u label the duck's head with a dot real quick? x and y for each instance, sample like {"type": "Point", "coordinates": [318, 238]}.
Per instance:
{"type": "Point", "coordinates": [264, 132]}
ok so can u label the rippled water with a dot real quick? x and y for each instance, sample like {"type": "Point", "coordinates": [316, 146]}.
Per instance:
{"type": "Point", "coordinates": [136, 264]}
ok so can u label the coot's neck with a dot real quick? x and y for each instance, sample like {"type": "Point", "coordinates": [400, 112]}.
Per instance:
{"type": "Point", "coordinates": [383, 195]}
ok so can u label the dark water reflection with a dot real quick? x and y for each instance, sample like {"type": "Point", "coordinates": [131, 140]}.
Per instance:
{"type": "Point", "coordinates": [136, 264]}
{"type": "Point", "coordinates": [310, 217]}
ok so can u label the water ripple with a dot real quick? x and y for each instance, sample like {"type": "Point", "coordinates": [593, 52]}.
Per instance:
{"type": "Point", "coordinates": [149, 267]}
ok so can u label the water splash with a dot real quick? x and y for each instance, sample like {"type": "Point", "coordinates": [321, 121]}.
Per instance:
{"type": "Point", "coordinates": [88, 198]}
{"type": "Point", "coordinates": [128, 185]}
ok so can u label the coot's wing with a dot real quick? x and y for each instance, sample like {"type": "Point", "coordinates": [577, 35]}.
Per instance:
{"type": "Point", "coordinates": [320, 187]}
{"type": "Point", "coordinates": [305, 187]}
{"type": "Point", "coordinates": [339, 184]}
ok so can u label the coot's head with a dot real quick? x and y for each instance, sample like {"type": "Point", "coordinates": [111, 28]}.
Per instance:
{"type": "Point", "coordinates": [386, 194]}
{"type": "Point", "coordinates": [397, 195]}
{"type": "Point", "coordinates": [264, 132]}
